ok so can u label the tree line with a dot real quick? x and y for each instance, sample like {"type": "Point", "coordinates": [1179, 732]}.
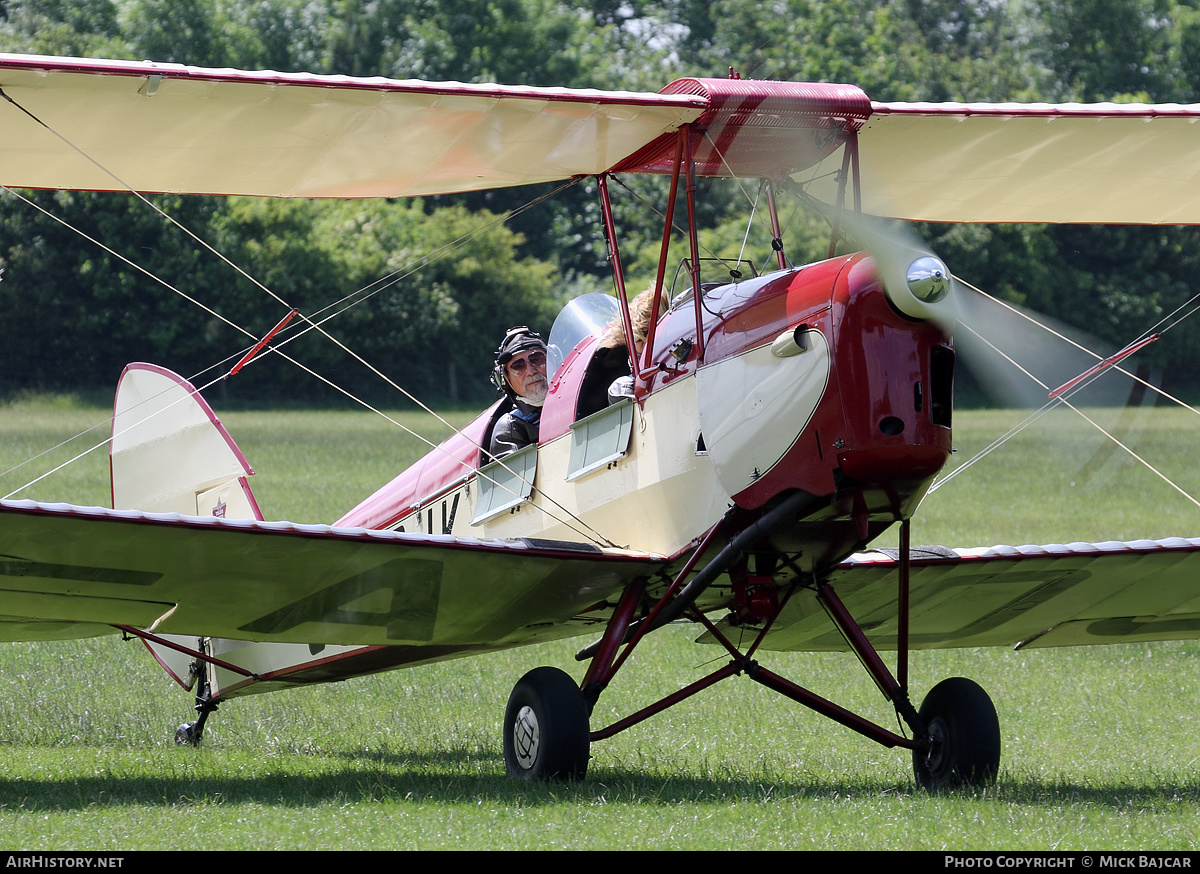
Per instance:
{"type": "Point", "coordinates": [72, 314]}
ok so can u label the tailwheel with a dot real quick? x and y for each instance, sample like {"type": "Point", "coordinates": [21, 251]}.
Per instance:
{"type": "Point", "coordinates": [964, 737]}
{"type": "Point", "coordinates": [189, 734]}
{"type": "Point", "coordinates": [546, 734]}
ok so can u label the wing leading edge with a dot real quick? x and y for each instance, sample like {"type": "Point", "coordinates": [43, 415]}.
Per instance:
{"type": "Point", "coordinates": [108, 125]}
{"type": "Point", "coordinates": [70, 571]}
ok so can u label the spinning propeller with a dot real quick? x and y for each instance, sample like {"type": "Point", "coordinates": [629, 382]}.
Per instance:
{"type": "Point", "coordinates": [915, 279]}
{"type": "Point", "coordinates": [1019, 357]}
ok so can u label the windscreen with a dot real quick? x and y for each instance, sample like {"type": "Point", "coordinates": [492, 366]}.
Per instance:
{"type": "Point", "coordinates": [585, 316]}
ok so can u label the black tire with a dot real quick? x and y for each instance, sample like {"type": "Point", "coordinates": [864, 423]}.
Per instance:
{"type": "Point", "coordinates": [546, 733]}
{"type": "Point", "coordinates": [964, 737]}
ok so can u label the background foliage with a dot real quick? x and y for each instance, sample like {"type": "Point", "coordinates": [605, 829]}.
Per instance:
{"type": "Point", "coordinates": [72, 314]}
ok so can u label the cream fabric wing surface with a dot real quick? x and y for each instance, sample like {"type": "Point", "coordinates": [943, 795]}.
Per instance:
{"type": "Point", "coordinates": [107, 125]}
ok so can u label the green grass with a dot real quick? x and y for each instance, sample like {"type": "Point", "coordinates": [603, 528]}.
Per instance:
{"type": "Point", "coordinates": [1060, 479]}
{"type": "Point", "coordinates": [1100, 749]}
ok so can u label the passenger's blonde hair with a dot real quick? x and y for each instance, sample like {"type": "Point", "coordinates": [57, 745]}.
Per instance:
{"type": "Point", "coordinates": [640, 310]}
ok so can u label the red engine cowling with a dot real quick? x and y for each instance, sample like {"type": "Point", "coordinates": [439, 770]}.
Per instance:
{"type": "Point", "coordinates": [868, 443]}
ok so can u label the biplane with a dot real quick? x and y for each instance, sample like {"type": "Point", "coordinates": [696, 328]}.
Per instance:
{"type": "Point", "coordinates": [781, 420]}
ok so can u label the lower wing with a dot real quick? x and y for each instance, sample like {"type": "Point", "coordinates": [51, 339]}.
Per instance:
{"type": "Point", "coordinates": [1058, 595]}
{"type": "Point", "coordinates": [69, 571]}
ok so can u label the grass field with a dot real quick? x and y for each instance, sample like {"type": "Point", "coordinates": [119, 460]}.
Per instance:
{"type": "Point", "coordinates": [1100, 745]}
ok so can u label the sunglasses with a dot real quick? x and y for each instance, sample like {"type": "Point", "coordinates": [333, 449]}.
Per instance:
{"type": "Point", "coordinates": [535, 359]}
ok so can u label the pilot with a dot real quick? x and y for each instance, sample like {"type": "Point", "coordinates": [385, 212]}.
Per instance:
{"type": "Point", "coordinates": [520, 373]}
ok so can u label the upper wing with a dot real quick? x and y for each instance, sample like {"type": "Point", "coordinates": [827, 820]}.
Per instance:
{"type": "Point", "coordinates": [1058, 595]}
{"type": "Point", "coordinates": [73, 571]}
{"type": "Point", "coordinates": [1073, 163]}
{"type": "Point", "coordinates": [111, 125]}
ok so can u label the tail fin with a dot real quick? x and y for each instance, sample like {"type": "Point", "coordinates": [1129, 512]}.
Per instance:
{"type": "Point", "coordinates": [170, 453]}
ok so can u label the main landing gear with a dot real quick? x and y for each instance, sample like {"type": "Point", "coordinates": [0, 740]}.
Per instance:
{"type": "Point", "coordinates": [954, 740]}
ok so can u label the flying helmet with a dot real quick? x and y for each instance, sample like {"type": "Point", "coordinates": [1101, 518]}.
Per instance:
{"type": "Point", "coordinates": [516, 340]}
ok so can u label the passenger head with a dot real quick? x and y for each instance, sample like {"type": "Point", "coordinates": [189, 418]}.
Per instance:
{"type": "Point", "coordinates": [640, 310]}
{"type": "Point", "coordinates": [521, 366]}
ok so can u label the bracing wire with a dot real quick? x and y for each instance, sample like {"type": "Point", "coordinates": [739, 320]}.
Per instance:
{"type": "Point", "coordinates": [1062, 399]}
{"type": "Point", "coordinates": [575, 522]}
{"type": "Point", "coordinates": [348, 301]}
{"type": "Point", "coordinates": [1162, 327]}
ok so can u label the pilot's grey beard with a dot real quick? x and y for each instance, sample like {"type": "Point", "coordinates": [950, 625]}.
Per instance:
{"type": "Point", "coordinates": [537, 393]}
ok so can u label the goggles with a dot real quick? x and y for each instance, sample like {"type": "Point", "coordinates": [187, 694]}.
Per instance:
{"type": "Point", "coordinates": [536, 358]}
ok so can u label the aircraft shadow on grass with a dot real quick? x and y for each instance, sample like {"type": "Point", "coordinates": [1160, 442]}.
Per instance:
{"type": "Point", "coordinates": [389, 777]}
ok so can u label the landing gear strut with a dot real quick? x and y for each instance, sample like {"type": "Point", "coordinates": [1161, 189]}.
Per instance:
{"type": "Point", "coordinates": [954, 737]}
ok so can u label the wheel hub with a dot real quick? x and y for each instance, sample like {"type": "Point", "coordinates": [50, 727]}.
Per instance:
{"type": "Point", "coordinates": [526, 737]}
{"type": "Point", "coordinates": [935, 756]}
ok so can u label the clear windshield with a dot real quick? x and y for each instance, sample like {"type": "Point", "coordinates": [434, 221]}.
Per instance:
{"type": "Point", "coordinates": [586, 315]}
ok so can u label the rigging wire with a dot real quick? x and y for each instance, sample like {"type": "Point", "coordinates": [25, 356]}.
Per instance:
{"type": "Point", "coordinates": [350, 301]}
{"type": "Point", "coordinates": [589, 533]}
{"type": "Point", "coordinates": [1062, 399]}
{"type": "Point", "coordinates": [436, 255]}
{"type": "Point", "coordinates": [90, 449]}
{"type": "Point", "coordinates": [751, 200]}
{"type": "Point", "coordinates": [749, 224]}
{"type": "Point", "coordinates": [126, 260]}
{"type": "Point", "coordinates": [674, 225]}
{"type": "Point", "coordinates": [1161, 328]}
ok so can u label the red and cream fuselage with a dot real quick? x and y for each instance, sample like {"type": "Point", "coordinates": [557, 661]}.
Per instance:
{"type": "Point", "coordinates": [812, 383]}
{"type": "Point", "coordinates": [825, 379]}
{"type": "Point", "coordinates": [817, 395]}
{"type": "Point", "coordinates": [811, 380]}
